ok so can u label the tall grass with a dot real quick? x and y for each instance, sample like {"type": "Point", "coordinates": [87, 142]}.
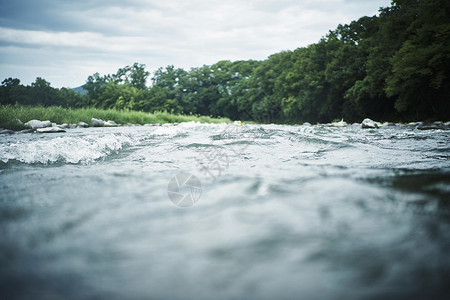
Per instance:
{"type": "Point", "coordinates": [59, 115]}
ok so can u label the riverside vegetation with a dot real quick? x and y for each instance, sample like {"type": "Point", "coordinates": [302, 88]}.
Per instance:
{"type": "Point", "coordinates": [11, 116]}
{"type": "Point", "coordinates": [390, 67]}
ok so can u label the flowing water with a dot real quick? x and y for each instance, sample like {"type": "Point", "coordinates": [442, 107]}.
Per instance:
{"type": "Point", "coordinates": [283, 212]}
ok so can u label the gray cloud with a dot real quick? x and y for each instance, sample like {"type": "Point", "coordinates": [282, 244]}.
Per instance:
{"type": "Point", "coordinates": [65, 41]}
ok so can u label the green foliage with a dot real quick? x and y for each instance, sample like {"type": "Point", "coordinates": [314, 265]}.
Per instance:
{"type": "Point", "coordinates": [421, 66]}
{"type": "Point", "coordinates": [9, 114]}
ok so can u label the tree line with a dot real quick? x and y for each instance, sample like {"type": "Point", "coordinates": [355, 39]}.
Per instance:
{"type": "Point", "coordinates": [394, 66]}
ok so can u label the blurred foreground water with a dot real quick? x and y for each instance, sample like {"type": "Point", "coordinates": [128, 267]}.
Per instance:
{"type": "Point", "coordinates": [285, 212]}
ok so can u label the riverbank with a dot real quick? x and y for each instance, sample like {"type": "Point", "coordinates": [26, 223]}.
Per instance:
{"type": "Point", "coordinates": [14, 117]}
{"type": "Point", "coordinates": [25, 119]}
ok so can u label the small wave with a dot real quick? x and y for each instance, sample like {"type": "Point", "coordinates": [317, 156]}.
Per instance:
{"type": "Point", "coordinates": [73, 150]}
{"type": "Point", "coordinates": [242, 142]}
{"type": "Point", "coordinates": [199, 145]}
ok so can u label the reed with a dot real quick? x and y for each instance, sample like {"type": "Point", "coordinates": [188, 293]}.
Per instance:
{"type": "Point", "coordinates": [9, 114]}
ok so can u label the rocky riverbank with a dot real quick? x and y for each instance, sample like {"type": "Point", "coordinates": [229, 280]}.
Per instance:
{"type": "Point", "coordinates": [51, 127]}
{"type": "Point", "coordinates": [370, 124]}
{"type": "Point", "coordinates": [47, 126]}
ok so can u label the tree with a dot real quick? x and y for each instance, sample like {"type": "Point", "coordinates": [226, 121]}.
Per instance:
{"type": "Point", "coordinates": [169, 85]}
{"type": "Point", "coordinates": [44, 94]}
{"type": "Point", "coordinates": [11, 91]}
{"type": "Point", "coordinates": [421, 66]}
{"type": "Point", "coordinates": [92, 86]}
{"type": "Point", "coordinates": [136, 75]}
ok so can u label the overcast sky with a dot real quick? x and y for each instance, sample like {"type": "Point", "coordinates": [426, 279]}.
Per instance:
{"type": "Point", "coordinates": [65, 41]}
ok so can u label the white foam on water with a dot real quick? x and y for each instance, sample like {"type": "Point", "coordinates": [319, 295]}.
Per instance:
{"type": "Point", "coordinates": [85, 149]}
{"type": "Point", "coordinates": [167, 130]}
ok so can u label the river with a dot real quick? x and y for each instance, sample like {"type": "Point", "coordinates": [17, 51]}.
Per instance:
{"type": "Point", "coordinates": [203, 211]}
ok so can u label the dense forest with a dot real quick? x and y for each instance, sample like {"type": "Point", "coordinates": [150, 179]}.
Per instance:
{"type": "Point", "coordinates": [394, 66]}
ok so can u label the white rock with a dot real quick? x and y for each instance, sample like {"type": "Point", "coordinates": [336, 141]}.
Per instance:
{"type": "Point", "coordinates": [306, 124]}
{"type": "Point", "coordinates": [110, 123]}
{"type": "Point", "coordinates": [97, 122]}
{"type": "Point", "coordinates": [83, 125]}
{"type": "Point", "coordinates": [50, 129]}
{"type": "Point", "coordinates": [63, 126]}
{"type": "Point", "coordinates": [368, 123]}
{"type": "Point", "coordinates": [34, 124]}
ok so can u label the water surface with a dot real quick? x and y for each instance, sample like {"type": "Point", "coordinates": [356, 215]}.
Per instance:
{"type": "Point", "coordinates": [286, 212]}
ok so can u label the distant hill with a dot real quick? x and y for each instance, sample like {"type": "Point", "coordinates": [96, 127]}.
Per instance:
{"type": "Point", "coordinates": [80, 90]}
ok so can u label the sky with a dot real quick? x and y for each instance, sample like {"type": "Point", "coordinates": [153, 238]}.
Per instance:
{"type": "Point", "coordinates": [65, 41]}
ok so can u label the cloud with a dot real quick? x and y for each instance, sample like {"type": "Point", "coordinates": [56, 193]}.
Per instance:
{"type": "Point", "coordinates": [64, 41]}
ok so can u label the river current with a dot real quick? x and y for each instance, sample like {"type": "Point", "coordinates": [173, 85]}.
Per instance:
{"type": "Point", "coordinates": [228, 211]}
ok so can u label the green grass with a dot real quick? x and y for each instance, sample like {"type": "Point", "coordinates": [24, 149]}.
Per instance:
{"type": "Point", "coordinates": [10, 113]}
